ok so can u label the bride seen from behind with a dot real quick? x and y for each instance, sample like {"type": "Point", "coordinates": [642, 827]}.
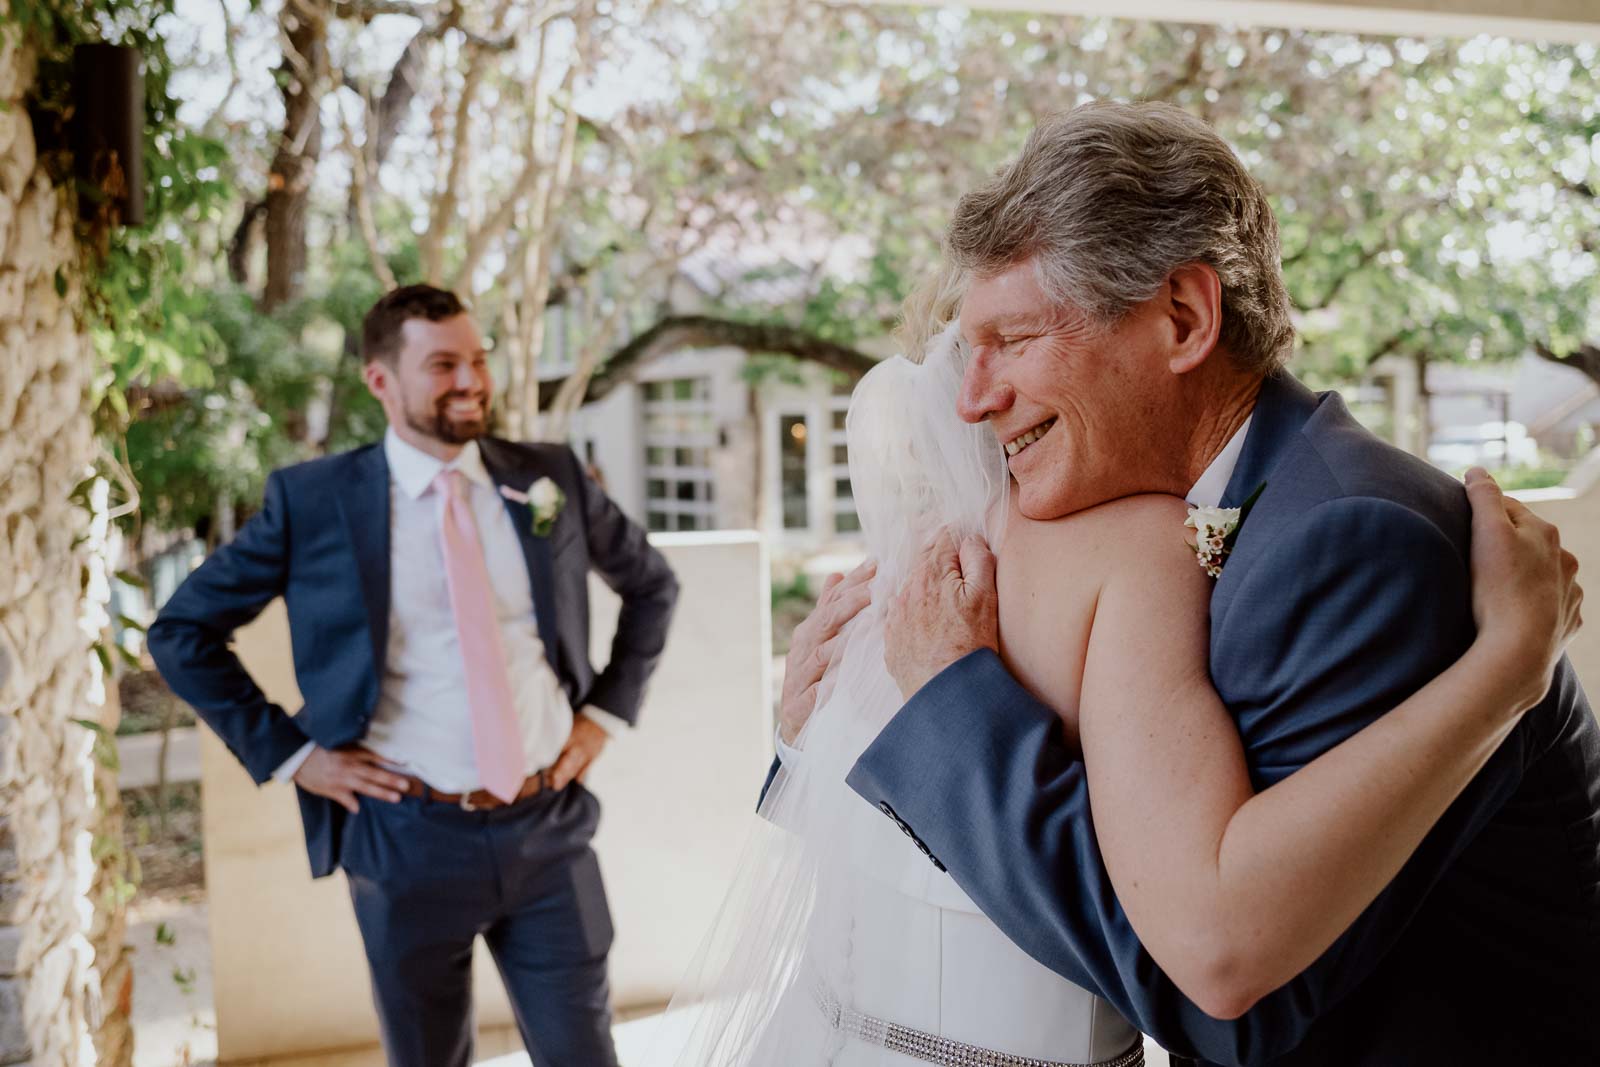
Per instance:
{"type": "Point", "coordinates": [843, 942]}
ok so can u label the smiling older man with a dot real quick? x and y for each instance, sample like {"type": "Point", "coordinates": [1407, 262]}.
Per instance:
{"type": "Point", "coordinates": [1093, 259]}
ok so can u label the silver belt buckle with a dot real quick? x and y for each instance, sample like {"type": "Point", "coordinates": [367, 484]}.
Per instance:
{"type": "Point", "coordinates": [466, 802]}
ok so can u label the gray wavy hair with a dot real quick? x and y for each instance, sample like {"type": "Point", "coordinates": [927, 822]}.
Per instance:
{"type": "Point", "coordinates": [1109, 198]}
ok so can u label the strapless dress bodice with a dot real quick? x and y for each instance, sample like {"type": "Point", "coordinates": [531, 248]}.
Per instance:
{"type": "Point", "coordinates": [898, 940]}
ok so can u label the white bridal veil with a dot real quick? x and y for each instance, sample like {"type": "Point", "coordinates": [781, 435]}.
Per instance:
{"type": "Point", "coordinates": [810, 918]}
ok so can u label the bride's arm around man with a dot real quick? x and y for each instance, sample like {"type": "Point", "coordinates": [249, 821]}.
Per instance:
{"type": "Point", "coordinates": [1128, 324]}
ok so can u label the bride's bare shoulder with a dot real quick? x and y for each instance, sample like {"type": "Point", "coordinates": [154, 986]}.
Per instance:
{"type": "Point", "coordinates": [1100, 525]}
{"type": "Point", "coordinates": [1143, 530]}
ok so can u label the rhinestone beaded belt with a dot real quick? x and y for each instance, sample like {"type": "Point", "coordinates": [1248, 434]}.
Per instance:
{"type": "Point", "coordinates": [931, 1048]}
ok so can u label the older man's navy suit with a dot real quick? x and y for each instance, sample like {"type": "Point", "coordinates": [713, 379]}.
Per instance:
{"type": "Point", "coordinates": [1347, 590]}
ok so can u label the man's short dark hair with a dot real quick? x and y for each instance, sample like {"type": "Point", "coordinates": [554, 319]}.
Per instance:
{"type": "Point", "coordinates": [380, 330]}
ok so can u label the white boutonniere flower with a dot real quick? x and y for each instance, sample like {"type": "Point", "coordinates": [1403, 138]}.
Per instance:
{"type": "Point", "coordinates": [1215, 530]}
{"type": "Point", "coordinates": [544, 499]}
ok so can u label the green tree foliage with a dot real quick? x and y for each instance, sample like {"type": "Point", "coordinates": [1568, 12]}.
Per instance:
{"type": "Point", "coordinates": [1437, 197]}
{"type": "Point", "coordinates": [146, 318]}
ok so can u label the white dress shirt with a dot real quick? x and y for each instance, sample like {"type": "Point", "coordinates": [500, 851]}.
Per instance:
{"type": "Point", "coordinates": [1205, 493]}
{"type": "Point", "coordinates": [422, 724]}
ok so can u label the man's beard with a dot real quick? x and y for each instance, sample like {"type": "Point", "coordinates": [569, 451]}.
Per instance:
{"type": "Point", "coordinates": [437, 423]}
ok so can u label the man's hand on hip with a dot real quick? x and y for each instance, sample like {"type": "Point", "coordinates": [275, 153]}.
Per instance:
{"type": "Point", "coordinates": [587, 739]}
{"type": "Point", "coordinates": [947, 608]}
{"type": "Point", "coordinates": [814, 642]}
{"type": "Point", "coordinates": [342, 774]}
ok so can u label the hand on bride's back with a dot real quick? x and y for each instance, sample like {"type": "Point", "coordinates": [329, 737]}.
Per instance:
{"type": "Point", "coordinates": [947, 608]}
{"type": "Point", "coordinates": [1526, 599]}
{"type": "Point", "coordinates": [814, 642]}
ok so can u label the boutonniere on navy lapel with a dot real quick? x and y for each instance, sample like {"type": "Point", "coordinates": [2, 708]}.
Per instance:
{"type": "Point", "coordinates": [1215, 531]}
{"type": "Point", "coordinates": [544, 499]}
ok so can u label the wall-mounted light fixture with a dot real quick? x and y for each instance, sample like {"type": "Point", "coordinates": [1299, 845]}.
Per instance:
{"type": "Point", "coordinates": [106, 133]}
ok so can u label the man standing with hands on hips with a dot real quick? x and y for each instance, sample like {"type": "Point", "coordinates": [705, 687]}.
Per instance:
{"type": "Point", "coordinates": [436, 584]}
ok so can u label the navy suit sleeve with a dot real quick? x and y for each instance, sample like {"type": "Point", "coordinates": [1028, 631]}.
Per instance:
{"type": "Point", "coordinates": [191, 639]}
{"type": "Point", "coordinates": [640, 575]}
{"type": "Point", "coordinates": [1358, 605]}
{"type": "Point", "coordinates": [772, 772]}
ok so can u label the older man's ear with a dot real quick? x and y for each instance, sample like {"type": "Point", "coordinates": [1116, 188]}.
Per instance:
{"type": "Point", "coordinates": [1190, 304]}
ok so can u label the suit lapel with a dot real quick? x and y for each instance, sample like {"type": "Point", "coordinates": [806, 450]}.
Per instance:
{"type": "Point", "coordinates": [1281, 410]}
{"type": "Point", "coordinates": [365, 508]}
{"type": "Point", "coordinates": [507, 469]}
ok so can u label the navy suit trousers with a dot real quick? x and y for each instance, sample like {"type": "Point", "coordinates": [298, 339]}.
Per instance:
{"type": "Point", "coordinates": [428, 878]}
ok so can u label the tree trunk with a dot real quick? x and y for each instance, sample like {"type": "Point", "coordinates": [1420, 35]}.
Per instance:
{"type": "Point", "coordinates": [246, 238]}
{"type": "Point", "coordinates": [1585, 359]}
{"type": "Point", "coordinates": [401, 89]}
{"type": "Point", "coordinates": [390, 111]}
{"type": "Point", "coordinates": [304, 75]}
{"type": "Point", "coordinates": [677, 332]}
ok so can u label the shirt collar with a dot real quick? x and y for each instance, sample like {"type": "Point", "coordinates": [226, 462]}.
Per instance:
{"type": "Point", "coordinates": [1207, 492]}
{"type": "Point", "coordinates": [413, 470]}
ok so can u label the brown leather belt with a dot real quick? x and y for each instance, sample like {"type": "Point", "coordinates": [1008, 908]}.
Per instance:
{"type": "Point", "coordinates": [479, 800]}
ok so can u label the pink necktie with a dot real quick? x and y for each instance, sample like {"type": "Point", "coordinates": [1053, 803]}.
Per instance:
{"type": "Point", "coordinates": [496, 741]}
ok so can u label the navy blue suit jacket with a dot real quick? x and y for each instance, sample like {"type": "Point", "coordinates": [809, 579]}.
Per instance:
{"type": "Point", "coordinates": [1347, 590]}
{"type": "Point", "coordinates": [321, 541]}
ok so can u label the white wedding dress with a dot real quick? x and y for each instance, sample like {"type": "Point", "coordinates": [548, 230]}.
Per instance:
{"type": "Point", "coordinates": [910, 948]}
{"type": "Point", "coordinates": [840, 942]}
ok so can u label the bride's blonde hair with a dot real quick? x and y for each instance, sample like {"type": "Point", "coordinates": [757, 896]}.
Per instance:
{"type": "Point", "coordinates": [932, 305]}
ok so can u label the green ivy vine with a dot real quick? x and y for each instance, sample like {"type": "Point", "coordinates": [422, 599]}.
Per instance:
{"type": "Point", "coordinates": [143, 318]}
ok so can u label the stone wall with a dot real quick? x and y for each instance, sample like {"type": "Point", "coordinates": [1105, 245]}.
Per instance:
{"type": "Point", "coordinates": [64, 979]}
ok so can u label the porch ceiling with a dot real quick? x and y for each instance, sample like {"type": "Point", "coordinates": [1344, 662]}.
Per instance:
{"type": "Point", "coordinates": [1539, 20]}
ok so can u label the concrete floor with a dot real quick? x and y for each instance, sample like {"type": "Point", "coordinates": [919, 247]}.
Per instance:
{"type": "Point", "coordinates": [175, 1025]}
{"type": "Point", "coordinates": [173, 1021]}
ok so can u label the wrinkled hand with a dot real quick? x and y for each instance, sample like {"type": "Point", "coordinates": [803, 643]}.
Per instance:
{"type": "Point", "coordinates": [583, 745]}
{"type": "Point", "coordinates": [947, 608]}
{"type": "Point", "coordinates": [340, 774]}
{"type": "Point", "coordinates": [1525, 596]}
{"type": "Point", "coordinates": [813, 644]}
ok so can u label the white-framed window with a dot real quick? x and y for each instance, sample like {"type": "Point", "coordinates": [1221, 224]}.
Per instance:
{"type": "Point", "coordinates": [793, 445]}
{"type": "Point", "coordinates": [845, 519]}
{"type": "Point", "coordinates": [679, 434]}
